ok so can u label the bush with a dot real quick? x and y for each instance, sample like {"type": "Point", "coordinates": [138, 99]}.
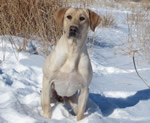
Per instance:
{"type": "Point", "coordinates": [108, 20]}
{"type": "Point", "coordinates": [30, 19]}
{"type": "Point", "coordinates": [139, 34]}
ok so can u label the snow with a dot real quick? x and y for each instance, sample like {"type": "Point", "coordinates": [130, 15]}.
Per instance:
{"type": "Point", "coordinates": [117, 95]}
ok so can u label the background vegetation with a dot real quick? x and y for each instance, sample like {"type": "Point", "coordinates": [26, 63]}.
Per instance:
{"type": "Point", "coordinates": [34, 20]}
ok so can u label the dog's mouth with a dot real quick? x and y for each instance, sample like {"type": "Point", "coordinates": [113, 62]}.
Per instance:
{"type": "Point", "coordinates": [73, 32]}
{"type": "Point", "coordinates": [72, 35]}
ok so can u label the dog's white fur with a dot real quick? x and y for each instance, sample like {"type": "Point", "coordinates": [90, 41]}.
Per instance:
{"type": "Point", "coordinates": [67, 70]}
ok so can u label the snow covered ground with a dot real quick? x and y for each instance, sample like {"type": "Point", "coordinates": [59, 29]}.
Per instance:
{"type": "Point", "coordinates": [117, 95]}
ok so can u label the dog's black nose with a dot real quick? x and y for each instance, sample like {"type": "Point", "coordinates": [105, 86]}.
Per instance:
{"type": "Point", "coordinates": [73, 29]}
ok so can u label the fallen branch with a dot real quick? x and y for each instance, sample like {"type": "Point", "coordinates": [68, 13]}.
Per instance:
{"type": "Point", "coordinates": [137, 70]}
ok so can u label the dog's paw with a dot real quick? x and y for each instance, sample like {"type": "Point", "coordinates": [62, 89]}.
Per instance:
{"type": "Point", "coordinates": [46, 115]}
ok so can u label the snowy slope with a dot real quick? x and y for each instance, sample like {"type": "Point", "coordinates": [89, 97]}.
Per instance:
{"type": "Point", "coordinates": [117, 95]}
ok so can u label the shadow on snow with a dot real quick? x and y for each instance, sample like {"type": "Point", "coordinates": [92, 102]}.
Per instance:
{"type": "Point", "coordinates": [107, 104]}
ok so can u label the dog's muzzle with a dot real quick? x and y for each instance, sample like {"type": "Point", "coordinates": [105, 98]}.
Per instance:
{"type": "Point", "coordinates": [73, 32]}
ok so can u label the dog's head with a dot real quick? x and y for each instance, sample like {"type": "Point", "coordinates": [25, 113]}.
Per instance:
{"type": "Point", "coordinates": [76, 21]}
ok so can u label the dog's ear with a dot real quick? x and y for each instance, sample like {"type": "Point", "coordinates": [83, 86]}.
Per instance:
{"type": "Point", "coordinates": [94, 20]}
{"type": "Point", "coordinates": [59, 16]}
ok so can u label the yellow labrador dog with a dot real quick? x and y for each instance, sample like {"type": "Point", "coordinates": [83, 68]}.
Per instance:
{"type": "Point", "coordinates": [67, 70]}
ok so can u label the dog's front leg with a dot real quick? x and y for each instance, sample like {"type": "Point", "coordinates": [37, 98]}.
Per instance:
{"type": "Point", "coordinates": [82, 101]}
{"type": "Point", "coordinates": [45, 97]}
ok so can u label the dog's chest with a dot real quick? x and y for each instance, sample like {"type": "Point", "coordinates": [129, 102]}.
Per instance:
{"type": "Point", "coordinates": [68, 77]}
{"type": "Point", "coordinates": [67, 84]}
{"type": "Point", "coordinates": [68, 80]}
{"type": "Point", "coordinates": [70, 64]}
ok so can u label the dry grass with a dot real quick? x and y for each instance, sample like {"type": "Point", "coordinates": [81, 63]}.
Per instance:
{"type": "Point", "coordinates": [34, 19]}
{"type": "Point", "coordinates": [112, 4]}
{"type": "Point", "coordinates": [108, 20]}
{"type": "Point", "coordinates": [138, 34]}
{"type": "Point", "coordinates": [30, 19]}
{"type": "Point", "coordinates": [134, 4]}
{"type": "Point", "coordinates": [79, 3]}
{"type": "Point", "coordinates": [133, 0]}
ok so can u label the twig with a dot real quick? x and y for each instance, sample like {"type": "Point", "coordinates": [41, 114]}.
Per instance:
{"type": "Point", "coordinates": [137, 70]}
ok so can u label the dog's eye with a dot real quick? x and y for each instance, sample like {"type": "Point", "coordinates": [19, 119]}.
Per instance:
{"type": "Point", "coordinates": [69, 17]}
{"type": "Point", "coordinates": [82, 18]}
